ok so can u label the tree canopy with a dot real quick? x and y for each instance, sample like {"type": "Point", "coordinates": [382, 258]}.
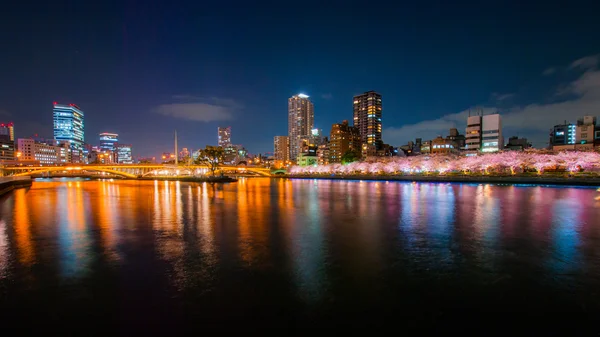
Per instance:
{"type": "Point", "coordinates": [350, 156]}
{"type": "Point", "coordinates": [211, 156]}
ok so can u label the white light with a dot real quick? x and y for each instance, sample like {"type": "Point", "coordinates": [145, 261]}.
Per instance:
{"type": "Point", "coordinates": [302, 96]}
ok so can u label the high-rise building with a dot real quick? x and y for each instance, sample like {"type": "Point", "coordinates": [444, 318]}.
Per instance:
{"type": "Point", "coordinates": [343, 138]}
{"type": "Point", "coordinates": [224, 136]}
{"type": "Point", "coordinates": [367, 118]}
{"type": "Point", "coordinates": [8, 129]}
{"type": "Point", "coordinates": [68, 126]}
{"type": "Point", "coordinates": [301, 120]}
{"type": "Point", "coordinates": [108, 141]}
{"type": "Point", "coordinates": [281, 148]}
{"type": "Point", "coordinates": [46, 152]}
{"type": "Point", "coordinates": [123, 154]}
{"type": "Point", "coordinates": [484, 134]}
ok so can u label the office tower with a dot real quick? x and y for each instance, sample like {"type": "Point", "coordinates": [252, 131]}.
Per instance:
{"type": "Point", "coordinates": [8, 129]}
{"type": "Point", "coordinates": [301, 120]}
{"type": "Point", "coordinates": [484, 134]}
{"type": "Point", "coordinates": [343, 138]}
{"type": "Point", "coordinates": [123, 154]}
{"type": "Point", "coordinates": [224, 136]}
{"type": "Point", "coordinates": [68, 126]}
{"type": "Point", "coordinates": [46, 152]}
{"type": "Point", "coordinates": [108, 141]}
{"type": "Point", "coordinates": [367, 118]}
{"type": "Point", "coordinates": [282, 148]}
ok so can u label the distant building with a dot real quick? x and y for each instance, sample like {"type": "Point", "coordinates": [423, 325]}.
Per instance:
{"type": "Point", "coordinates": [123, 154]}
{"type": "Point", "coordinates": [308, 157]}
{"type": "Point", "coordinates": [425, 147]}
{"type": "Point", "coordinates": [517, 144]}
{"type": "Point", "coordinates": [8, 129]}
{"type": "Point", "coordinates": [563, 134]}
{"type": "Point", "coordinates": [444, 146]}
{"type": "Point", "coordinates": [281, 151]}
{"type": "Point", "coordinates": [458, 139]}
{"type": "Point", "coordinates": [316, 137]}
{"type": "Point", "coordinates": [108, 141]}
{"type": "Point", "coordinates": [46, 152]}
{"type": "Point", "coordinates": [484, 134]}
{"type": "Point", "coordinates": [343, 138]}
{"type": "Point", "coordinates": [584, 132]}
{"type": "Point", "coordinates": [323, 153]}
{"type": "Point", "coordinates": [101, 157]}
{"type": "Point", "coordinates": [367, 109]}
{"type": "Point", "coordinates": [224, 136]}
{"type": "Point", "coordinates": [301, 120]}
{"type": "Point", "coordinates": [69, 126]}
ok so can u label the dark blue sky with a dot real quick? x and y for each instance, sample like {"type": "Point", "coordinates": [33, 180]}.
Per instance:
{"type": "Point", "coordinates": [143, 70]}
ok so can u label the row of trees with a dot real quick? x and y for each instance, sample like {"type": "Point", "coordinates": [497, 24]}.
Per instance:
{"type": "Point", "coordinates": [510, 162]}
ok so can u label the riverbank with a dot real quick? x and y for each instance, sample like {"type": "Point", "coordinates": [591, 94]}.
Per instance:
{"type": "Point", "coordinates": [524, 179]}
{"type": "Point", "coordinates": [8, 184]}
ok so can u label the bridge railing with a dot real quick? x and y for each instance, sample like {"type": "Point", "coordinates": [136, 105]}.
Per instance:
{"type": "Point", "coordinates": [11, 178]}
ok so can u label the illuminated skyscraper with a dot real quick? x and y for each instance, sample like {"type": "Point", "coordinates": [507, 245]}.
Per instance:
{"type": "Point", "coordinates": [108, 141]}
{"type": "Point", "coordinates": [68, 126]}
{"type": "Point", "coordinates": [367, 118]}
{"type": "Point", "coordinates": [8, 129]}
{"type": "Point", "coordinates": [301, 120]}
{"type": "Point", "coordinates": [224, 136]}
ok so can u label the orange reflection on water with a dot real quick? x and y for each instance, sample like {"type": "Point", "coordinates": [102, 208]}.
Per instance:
{"type": "Point", "coordinates": [23, 228]}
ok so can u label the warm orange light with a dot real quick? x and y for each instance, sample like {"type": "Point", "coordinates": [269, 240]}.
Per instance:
{"type": "Point", "coordinates": [164, 157]}
{"type": "Point", "coordinates": [19, 154]}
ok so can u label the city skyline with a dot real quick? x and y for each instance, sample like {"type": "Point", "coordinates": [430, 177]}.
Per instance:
{"type": "Point", "coordinates": [535, 78]}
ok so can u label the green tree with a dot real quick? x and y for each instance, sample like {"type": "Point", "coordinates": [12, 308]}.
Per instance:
{"type": "Point", "coordinates": [350, 156]}
{"type": "Point", "coordinates": [211, 156]}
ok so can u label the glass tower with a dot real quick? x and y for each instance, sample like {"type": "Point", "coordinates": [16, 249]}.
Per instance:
{"type": "Point", "coordinates": [68, 125]}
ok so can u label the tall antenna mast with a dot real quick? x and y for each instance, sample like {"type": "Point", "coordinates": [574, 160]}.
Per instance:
{"type": "Point", "coordinates": [176, 154]}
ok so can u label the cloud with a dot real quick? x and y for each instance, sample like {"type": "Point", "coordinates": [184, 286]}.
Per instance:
{"type": "Point", "coordinates": [531, 121]}
{"type": "Point", "coordinates": [587, 62]}
{"type": "Point", "coordinates": [198, 109]}
{"type": "Point", "coordinates": [327, 96]}
{"type": "Point", "coordinates": [501, 97]}
{"type": "Point", "coordinates": [549, 71]}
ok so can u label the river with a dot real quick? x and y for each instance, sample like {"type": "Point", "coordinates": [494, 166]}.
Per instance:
{"type": "Point", "coordinates": [297, 257]}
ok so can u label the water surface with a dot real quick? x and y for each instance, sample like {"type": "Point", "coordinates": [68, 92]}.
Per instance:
{"type": "Point", "coordinates": [297, 257]}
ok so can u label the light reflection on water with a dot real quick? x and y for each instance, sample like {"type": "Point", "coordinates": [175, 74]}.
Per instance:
{"type": "Point", "coordinates": [308, 241]}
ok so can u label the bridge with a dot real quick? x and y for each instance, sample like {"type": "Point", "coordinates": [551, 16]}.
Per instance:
{"type": "Point", "coordinates": [132, 171]}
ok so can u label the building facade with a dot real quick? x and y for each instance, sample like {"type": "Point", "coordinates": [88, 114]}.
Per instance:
{"type": "Point", "coordinates": [69, 126]}
{"type": "Point", "coordinates": [301, 120]}
{"type": "Point", "coordinates": [585, 130]}
{"type": "Point", "coordinates": [517, 144]}
{"type": "Point", "coordinates": [343, 138]}
{"type": "Point", "coordinates": [8, 129]}
{"type": "Point", "coordinates": [484, 134]}
{"type": "Point", "coordinates": [367, 110]}
{"type": "Point", "coordinates": [224, 134]}
{"type": "Point", "coordinates": [281, 151]}
{"type": "Point", "coordinates": [444, 146]}
{"type": "Point", "coordinates": [108, 141]}
{"type": "Point", "coordinates": [123, 154]}
{"type": "Point", "coordinates": [46, 152]}
{"type": "Point", "coordinates": [563, 134]}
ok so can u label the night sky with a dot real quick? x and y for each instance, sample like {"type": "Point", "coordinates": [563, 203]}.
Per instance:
{"type": "Point", "coordinates": [143, 69]}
